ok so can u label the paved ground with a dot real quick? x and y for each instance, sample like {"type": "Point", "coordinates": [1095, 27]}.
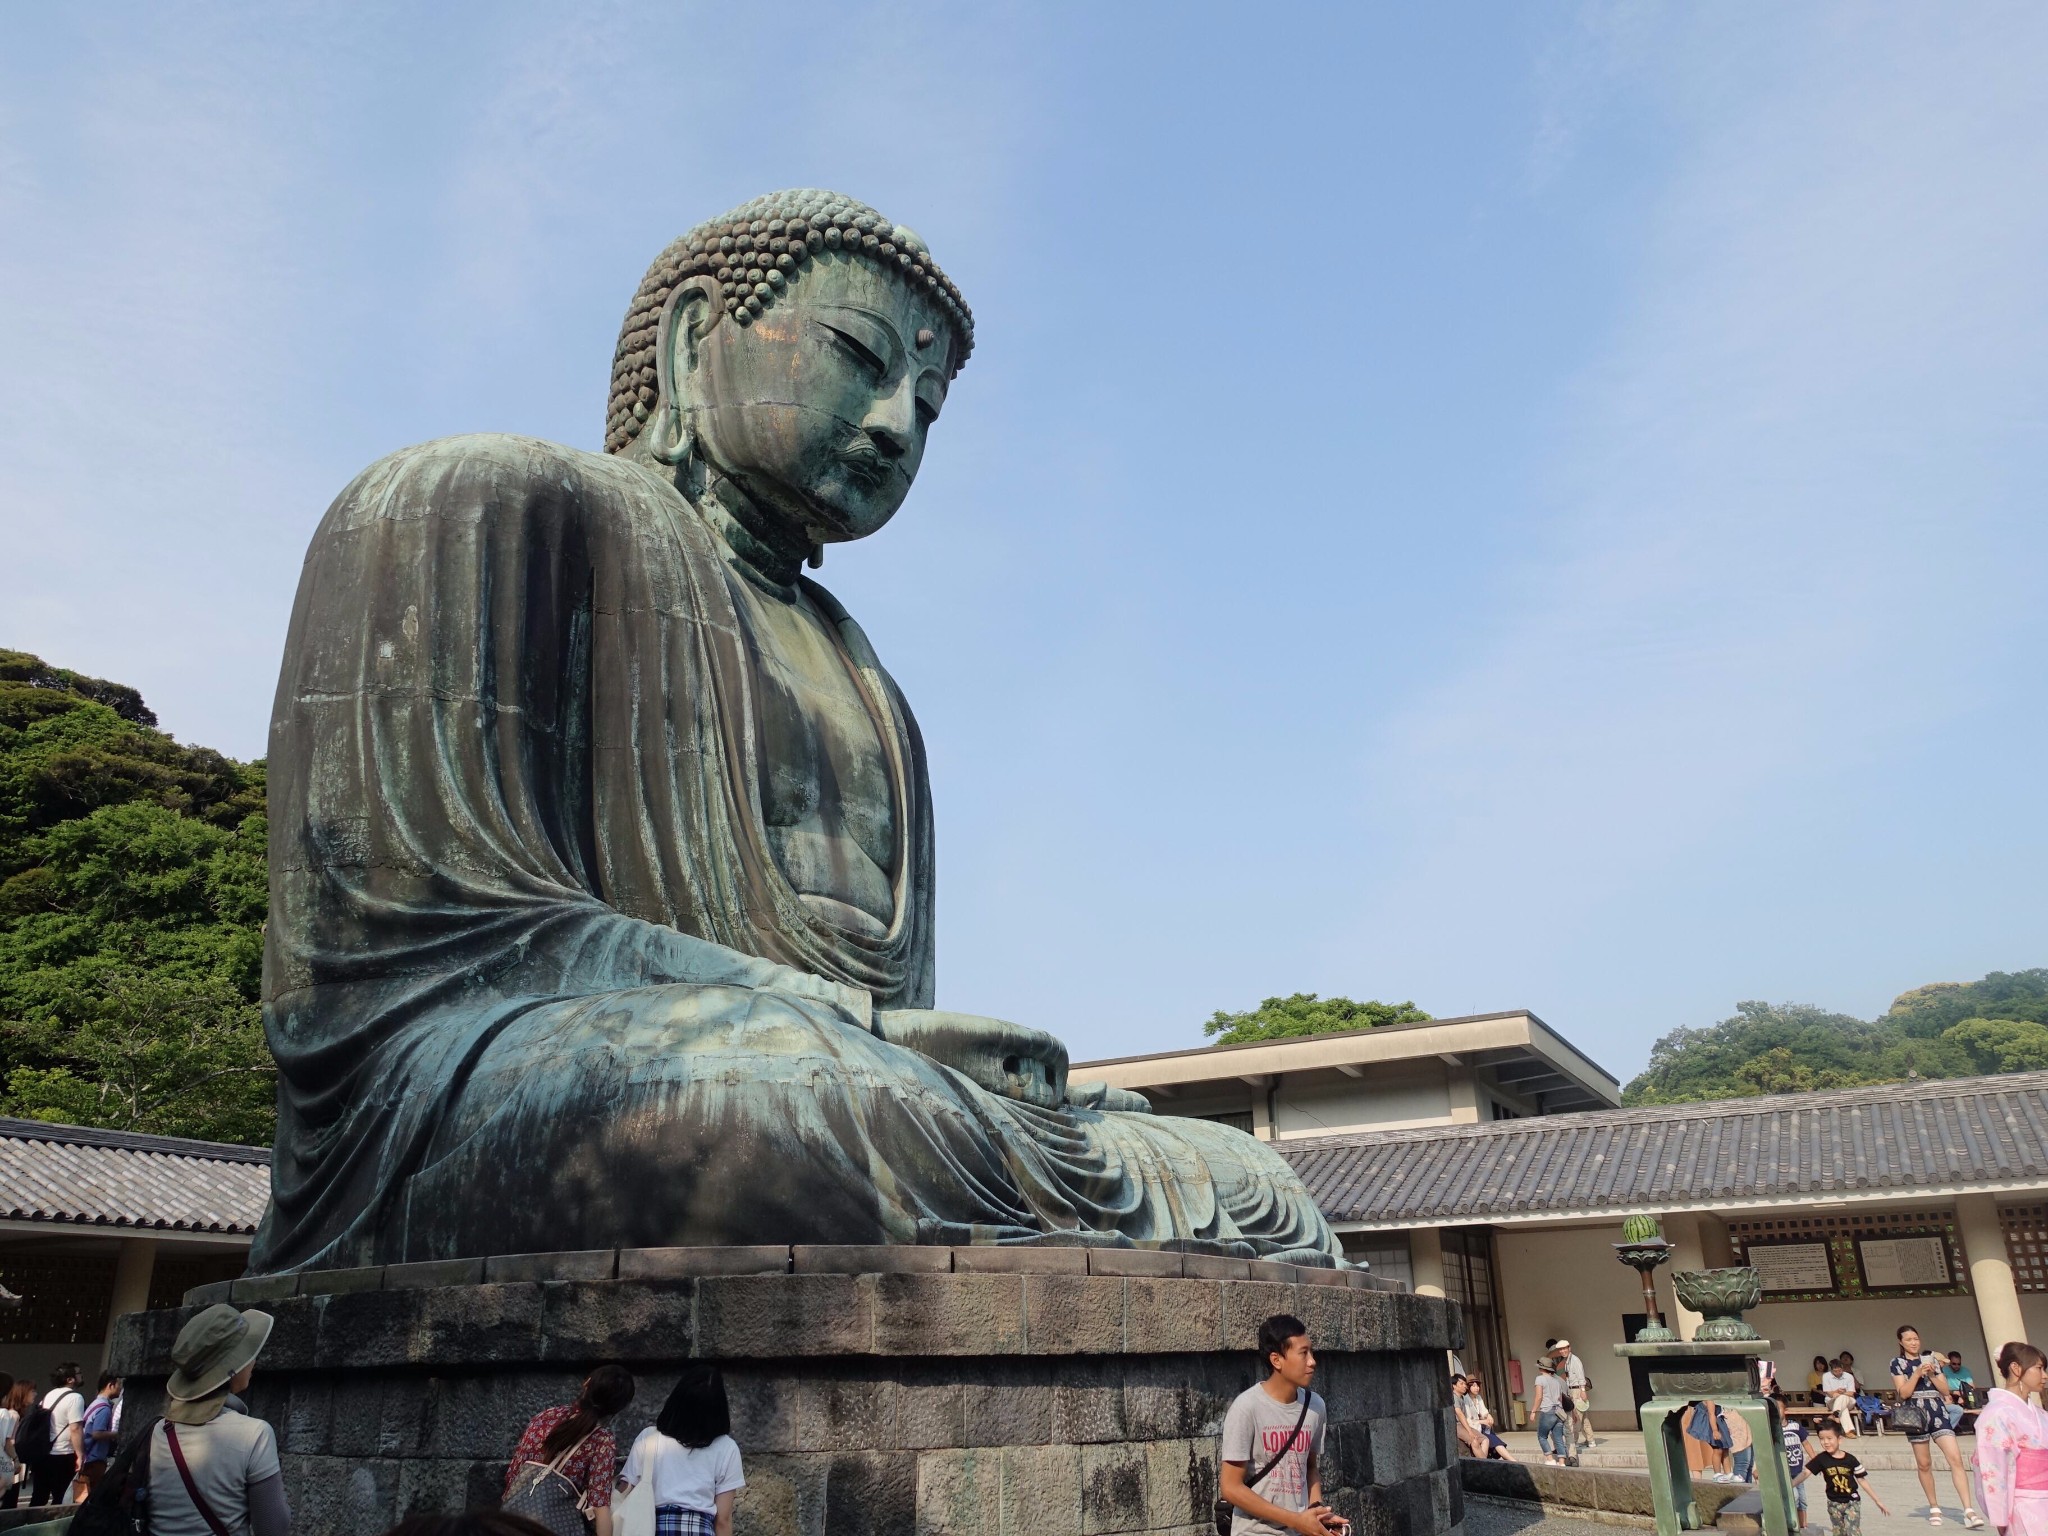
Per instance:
{"type": "Point", "coordinates": [1489, 1517]}
{"type": "Point", "coordinates": [1900, 1490]}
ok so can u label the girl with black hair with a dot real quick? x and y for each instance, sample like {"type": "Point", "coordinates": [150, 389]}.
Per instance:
{"type": "Point", "coordinates": [689, 1457]}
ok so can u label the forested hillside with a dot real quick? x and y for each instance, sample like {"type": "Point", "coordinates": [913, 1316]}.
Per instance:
{"type": "Point", "coordinates": [132, 892]}
{"type": "Point", "coordinates": [1949, 1029]}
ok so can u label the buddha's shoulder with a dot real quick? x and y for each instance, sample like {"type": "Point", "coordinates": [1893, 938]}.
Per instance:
{"type": "Point", "coordinates": [484, 471]}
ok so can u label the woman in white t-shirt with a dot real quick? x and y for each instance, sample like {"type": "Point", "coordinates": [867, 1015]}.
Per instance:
{"type": "Point", "coordinates": [689, 1458]}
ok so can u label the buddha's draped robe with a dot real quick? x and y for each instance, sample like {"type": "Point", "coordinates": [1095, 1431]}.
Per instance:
{"type": "Point", "coordinates": [534, 979]}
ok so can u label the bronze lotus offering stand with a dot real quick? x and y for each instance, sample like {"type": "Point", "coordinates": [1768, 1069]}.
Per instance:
{"type": "Point", "coordinates": [1718, 1362]}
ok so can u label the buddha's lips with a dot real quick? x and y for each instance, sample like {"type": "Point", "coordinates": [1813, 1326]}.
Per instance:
{"type": "Point", "coordinates": [864, 461]}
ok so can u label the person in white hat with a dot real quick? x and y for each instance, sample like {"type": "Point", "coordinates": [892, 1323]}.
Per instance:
{"type": "Point", "coordinates": [1573, 1370]}
{"type": "Point", "coordinates": [213, 1468]}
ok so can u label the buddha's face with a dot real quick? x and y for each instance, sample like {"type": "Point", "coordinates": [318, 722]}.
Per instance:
{"type": "Point", "coordinates": [820, 407]}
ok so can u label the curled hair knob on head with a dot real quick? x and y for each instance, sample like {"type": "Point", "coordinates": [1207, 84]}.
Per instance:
{"type": "Point", "coordinates": [737, 248]}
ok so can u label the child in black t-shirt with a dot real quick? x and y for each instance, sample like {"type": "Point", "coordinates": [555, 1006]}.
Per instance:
{"type": "Point", "coordinates": [1844, 1479]}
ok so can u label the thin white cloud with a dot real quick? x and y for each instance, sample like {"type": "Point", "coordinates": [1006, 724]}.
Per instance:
{"type": "Point", "coordinates": [1784, 531]}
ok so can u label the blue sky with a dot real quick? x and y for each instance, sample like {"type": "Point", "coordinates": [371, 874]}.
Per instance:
{"type": "Point", "coordinates": [1505, 506]}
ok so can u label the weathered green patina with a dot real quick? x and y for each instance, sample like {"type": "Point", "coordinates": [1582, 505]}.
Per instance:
{"type": "Point", "coordinates": [601, 906]}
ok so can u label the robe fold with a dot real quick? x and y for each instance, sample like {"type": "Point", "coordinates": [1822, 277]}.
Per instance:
{"type": "Point", "coordinates": [533, 977]}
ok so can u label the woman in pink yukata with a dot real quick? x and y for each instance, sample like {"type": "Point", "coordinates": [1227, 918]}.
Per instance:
{"type": "Point", "coordinates": [2012, 1445]}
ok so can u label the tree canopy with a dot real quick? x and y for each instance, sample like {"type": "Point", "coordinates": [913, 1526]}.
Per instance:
{"type": "Point", "coordinates": [132, 894]}
{"type": "Point", "coordinates": [1304, 1013]}
{"type": "Point", "coordinates": [1948, 1029]}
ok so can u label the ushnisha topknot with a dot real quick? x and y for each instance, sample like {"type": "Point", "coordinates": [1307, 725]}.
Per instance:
{"type": "Point", "coordinates": [756, 251]}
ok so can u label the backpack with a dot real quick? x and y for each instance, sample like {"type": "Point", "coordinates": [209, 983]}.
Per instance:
{"type": "Point", "coordinates": [34, 1429]}
{"type": "Point", "coordinates": [119, 1505]}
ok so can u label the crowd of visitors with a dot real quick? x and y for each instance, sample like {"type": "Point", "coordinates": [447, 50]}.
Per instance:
{"type": "Point", "coordinates": [1930, 1393]}
{"type": "Point", "coordinates": [208, 1466]}
{"type": "Point", "coordinates": [54, 1445]}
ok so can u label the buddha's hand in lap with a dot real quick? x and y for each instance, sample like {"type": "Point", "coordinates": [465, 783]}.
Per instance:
{"type": "Point", "coordinates": [1008, 1059]}
{"type": "Point", "coordinates": [1102, 1096]}
{"type": "Point", "coordinates": [851, 1000]}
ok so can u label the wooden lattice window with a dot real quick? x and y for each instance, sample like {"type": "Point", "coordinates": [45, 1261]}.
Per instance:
{"type": "Point", "coordinates": [2026, 1244]}
{"type": "Point", "coordinates": [175, 1274]}
{"type": "Point", "coordinates": [65, 1297]}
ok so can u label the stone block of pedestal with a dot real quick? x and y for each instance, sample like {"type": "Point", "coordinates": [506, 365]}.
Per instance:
{"type": "Point", "coordinates": [987, 1398]}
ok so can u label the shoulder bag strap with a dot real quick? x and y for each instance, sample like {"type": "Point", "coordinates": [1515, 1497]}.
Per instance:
{"type": "Point", "coordinates": [554, 1469]}
{"type": "Point", "coordinates": [1285, 1445]}
{"type": "Point", "coordinates": [185, 1474]}
{"type": "Point", "coordinates": [561, 1457]}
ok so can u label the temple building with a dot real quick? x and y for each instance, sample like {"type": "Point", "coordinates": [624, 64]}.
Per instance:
{"type": "Point", "coordinates": [97, 1223]}
{"type": "Point", "coordinates": [1490, 1066]}
{"type": "Point", "coordinates": [1487, 1160]}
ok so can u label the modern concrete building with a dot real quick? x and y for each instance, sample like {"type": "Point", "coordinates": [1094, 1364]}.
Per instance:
{"type": "Point", "coordinates": [1491, 1066]}
{"type": "Point", "coordinates": [97, 1223]}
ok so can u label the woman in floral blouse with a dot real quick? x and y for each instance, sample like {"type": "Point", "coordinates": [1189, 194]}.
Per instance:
{"type": "Point", "coordinates": [579, 1428]}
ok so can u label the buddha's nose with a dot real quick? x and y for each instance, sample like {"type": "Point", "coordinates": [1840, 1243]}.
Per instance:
{"type": "Point", "coordinates": [889, 422]}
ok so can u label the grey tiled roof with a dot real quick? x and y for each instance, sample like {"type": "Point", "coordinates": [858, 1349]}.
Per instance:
{"type": "Point", "coordinates": [74, 1176]}
{"type": "Point", "coordinates": [1900, 1137]}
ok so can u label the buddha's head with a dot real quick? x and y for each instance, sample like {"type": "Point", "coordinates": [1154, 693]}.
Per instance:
{"type": "Point", "coordinates": [800, 346]}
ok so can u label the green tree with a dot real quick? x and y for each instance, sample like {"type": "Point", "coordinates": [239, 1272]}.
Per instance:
{"type": "Point", "coordinates": [154, 1051]}
{"type": "Point", "coordinates": [1764, 1048]}
{"type": "Point", "coordinates": [1947, 1029]}
{"type": "Point", "coordinates": [132, 893]}
{"type": "Point", "coordinates": [1279, 1018]}
{"type": "Point", "coordinates": [2002, 1045]}
{"type": "Point", "coordinates": [1927, 1012]}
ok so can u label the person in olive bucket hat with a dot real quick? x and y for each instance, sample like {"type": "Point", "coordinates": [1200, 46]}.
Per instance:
{"type": "Point", "coordinates": [208, 1455]}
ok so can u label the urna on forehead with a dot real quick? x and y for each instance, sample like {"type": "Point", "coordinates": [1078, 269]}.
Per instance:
{"type": "Point", "coordinates": [756, 252]}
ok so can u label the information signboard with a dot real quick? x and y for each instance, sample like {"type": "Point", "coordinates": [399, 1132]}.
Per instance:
{"type": "Point", "coordinates": [1793, 1266]}
{"type": "Point", "coordinates": [1899, 1263]}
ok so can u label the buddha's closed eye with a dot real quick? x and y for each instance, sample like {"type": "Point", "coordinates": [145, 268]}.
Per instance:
{"type": "Point", "coordinates": [859, 350]}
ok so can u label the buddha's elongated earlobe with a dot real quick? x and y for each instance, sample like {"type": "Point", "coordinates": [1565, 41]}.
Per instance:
{"type": "Point", "coordinates": [692, 309]}
{"type": "Point", "coordinates": [672, 441]}
{"type": "Point", "coordinates": [816, 559]}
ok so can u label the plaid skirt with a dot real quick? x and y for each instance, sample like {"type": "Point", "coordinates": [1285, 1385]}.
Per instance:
{"type": "Point", "coordinates": [675, 1520]}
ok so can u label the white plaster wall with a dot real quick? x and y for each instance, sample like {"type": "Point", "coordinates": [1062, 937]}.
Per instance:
{"type": "Point", "coordinates": [1569, 1285]}
{"type": "Point", "coordinates": [1394, 1093]}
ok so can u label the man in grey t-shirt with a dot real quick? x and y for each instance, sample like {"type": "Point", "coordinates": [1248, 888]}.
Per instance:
{"type": "Point", "coordinates": [1268, 1424]}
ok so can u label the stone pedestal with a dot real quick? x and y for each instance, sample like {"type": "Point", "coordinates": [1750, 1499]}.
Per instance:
{"type": "Point", "coordinates": [1041, 1391]}
{"type": "Point", "coordinates": [1685, 1372]}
